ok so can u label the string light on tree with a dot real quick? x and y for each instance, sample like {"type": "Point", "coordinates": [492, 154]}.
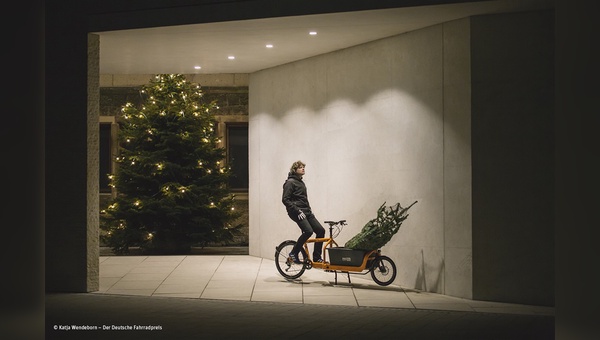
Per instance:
{"type": "Point", "coordinates": [170, 181]}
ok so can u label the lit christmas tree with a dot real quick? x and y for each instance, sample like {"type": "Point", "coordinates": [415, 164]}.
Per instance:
{"type": "Point", "coordinates": [171, 179]}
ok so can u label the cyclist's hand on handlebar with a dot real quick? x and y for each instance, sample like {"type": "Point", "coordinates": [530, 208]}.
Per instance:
{"type": "Point", "coordinates": [301, 216]}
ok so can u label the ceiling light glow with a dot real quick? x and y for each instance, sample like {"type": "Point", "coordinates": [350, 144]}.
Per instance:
{"type": "Point", "coordinates": [231, 57]}
{"type": "Point", "coordinates": [197, 67]}
{"type": "Point", "coordinates": [312, 33]}
{"type": "Point", "coordinates": [269, 46]}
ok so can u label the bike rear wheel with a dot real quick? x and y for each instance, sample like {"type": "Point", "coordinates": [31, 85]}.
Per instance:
{"type": "Point", "coordinates": [284, 264]}
{"type": "Point", "coordinates": [383, 271]}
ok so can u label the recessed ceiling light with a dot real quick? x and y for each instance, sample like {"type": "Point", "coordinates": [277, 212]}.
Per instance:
{"type": "Point", "coordinates": [269, 45]}
{"type": "Point", "coordinates": [197, 67]}
{"type": "Point", "coordinates": [312, 33]}
{"type": "Point", "coordinates": [231, 57]}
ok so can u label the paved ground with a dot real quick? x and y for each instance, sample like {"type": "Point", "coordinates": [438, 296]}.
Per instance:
{"type": "Point", "coordinates": [184, 318]}
{"type": "Point", "coordinates": [243, 297]}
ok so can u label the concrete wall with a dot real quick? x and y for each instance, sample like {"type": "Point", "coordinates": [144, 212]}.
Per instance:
{"type": "Point", "coordinates": [369, 121]}
{"type": "Point", "coordinates": [513, 157]}
{"type": "Point", "coordinates": [457, 116]}
{"type": "Point", "coordinates": [374, 122]}
{"type": "Point", "coordinates": [457, 188]}
{"type": "Point", "coordinates": [71, 175]}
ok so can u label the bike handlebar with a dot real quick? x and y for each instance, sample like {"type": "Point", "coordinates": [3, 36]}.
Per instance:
{"type": "Point", "coordinates": [332, 223]}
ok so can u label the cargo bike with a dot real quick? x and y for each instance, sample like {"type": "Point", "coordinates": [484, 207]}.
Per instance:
{"type": "Point", "coordinates": [336, 259]}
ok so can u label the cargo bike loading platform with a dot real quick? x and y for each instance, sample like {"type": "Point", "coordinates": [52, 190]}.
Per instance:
{"type": "Point", "coordinates": [341, 260]}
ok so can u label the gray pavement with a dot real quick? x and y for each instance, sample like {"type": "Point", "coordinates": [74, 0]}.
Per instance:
{"type": "Point", "coordinates": [188, 318]}
{"type": "Point", "coordinates": [242, 296]}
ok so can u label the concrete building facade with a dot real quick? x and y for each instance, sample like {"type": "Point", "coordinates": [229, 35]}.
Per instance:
{"type": "Point", "coordinates": [417, 116]}
{"type": "Point", "coordinates": [420, 117]}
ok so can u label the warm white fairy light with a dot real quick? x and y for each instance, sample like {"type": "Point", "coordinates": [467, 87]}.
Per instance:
{"type": "Point", "coordinates": [145, 130]}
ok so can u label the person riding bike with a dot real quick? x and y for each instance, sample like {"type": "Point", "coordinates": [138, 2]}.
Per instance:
{"type": "Point", "coordinates": [295, 199]}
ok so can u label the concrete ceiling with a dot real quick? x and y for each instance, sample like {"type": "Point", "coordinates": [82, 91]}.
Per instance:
{"type": "Point", "coordinates": [177, 49]}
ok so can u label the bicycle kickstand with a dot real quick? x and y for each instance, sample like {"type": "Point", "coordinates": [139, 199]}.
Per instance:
{"type": "Point", "coordinates": [348, 273]}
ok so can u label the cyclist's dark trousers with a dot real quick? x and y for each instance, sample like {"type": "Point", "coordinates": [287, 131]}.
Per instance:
{"type": "Point", "coordinates": [309, 225]}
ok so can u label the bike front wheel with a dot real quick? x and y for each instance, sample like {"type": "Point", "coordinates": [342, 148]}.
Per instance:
{"type": "Point", "coordinates": [383, 271]}
{"type": "Point", "coordinates": [284, 264]}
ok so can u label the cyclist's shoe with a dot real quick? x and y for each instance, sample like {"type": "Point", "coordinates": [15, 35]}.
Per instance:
{"type": "Point", "coordinates": [319, 261]}
{"type": "Point", "coordinates": [295, 258]}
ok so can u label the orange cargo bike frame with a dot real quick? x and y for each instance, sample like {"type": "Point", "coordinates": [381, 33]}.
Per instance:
{"type": "Point", "coordinates": [381, 267]}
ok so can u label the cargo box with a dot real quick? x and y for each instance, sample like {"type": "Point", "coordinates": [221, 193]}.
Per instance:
{"type": "Point", "coordinates": [345, 256]}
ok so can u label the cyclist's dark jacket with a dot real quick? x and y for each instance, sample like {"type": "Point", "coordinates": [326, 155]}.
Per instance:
{"type": "Point", "coordinates": [295, 197]}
